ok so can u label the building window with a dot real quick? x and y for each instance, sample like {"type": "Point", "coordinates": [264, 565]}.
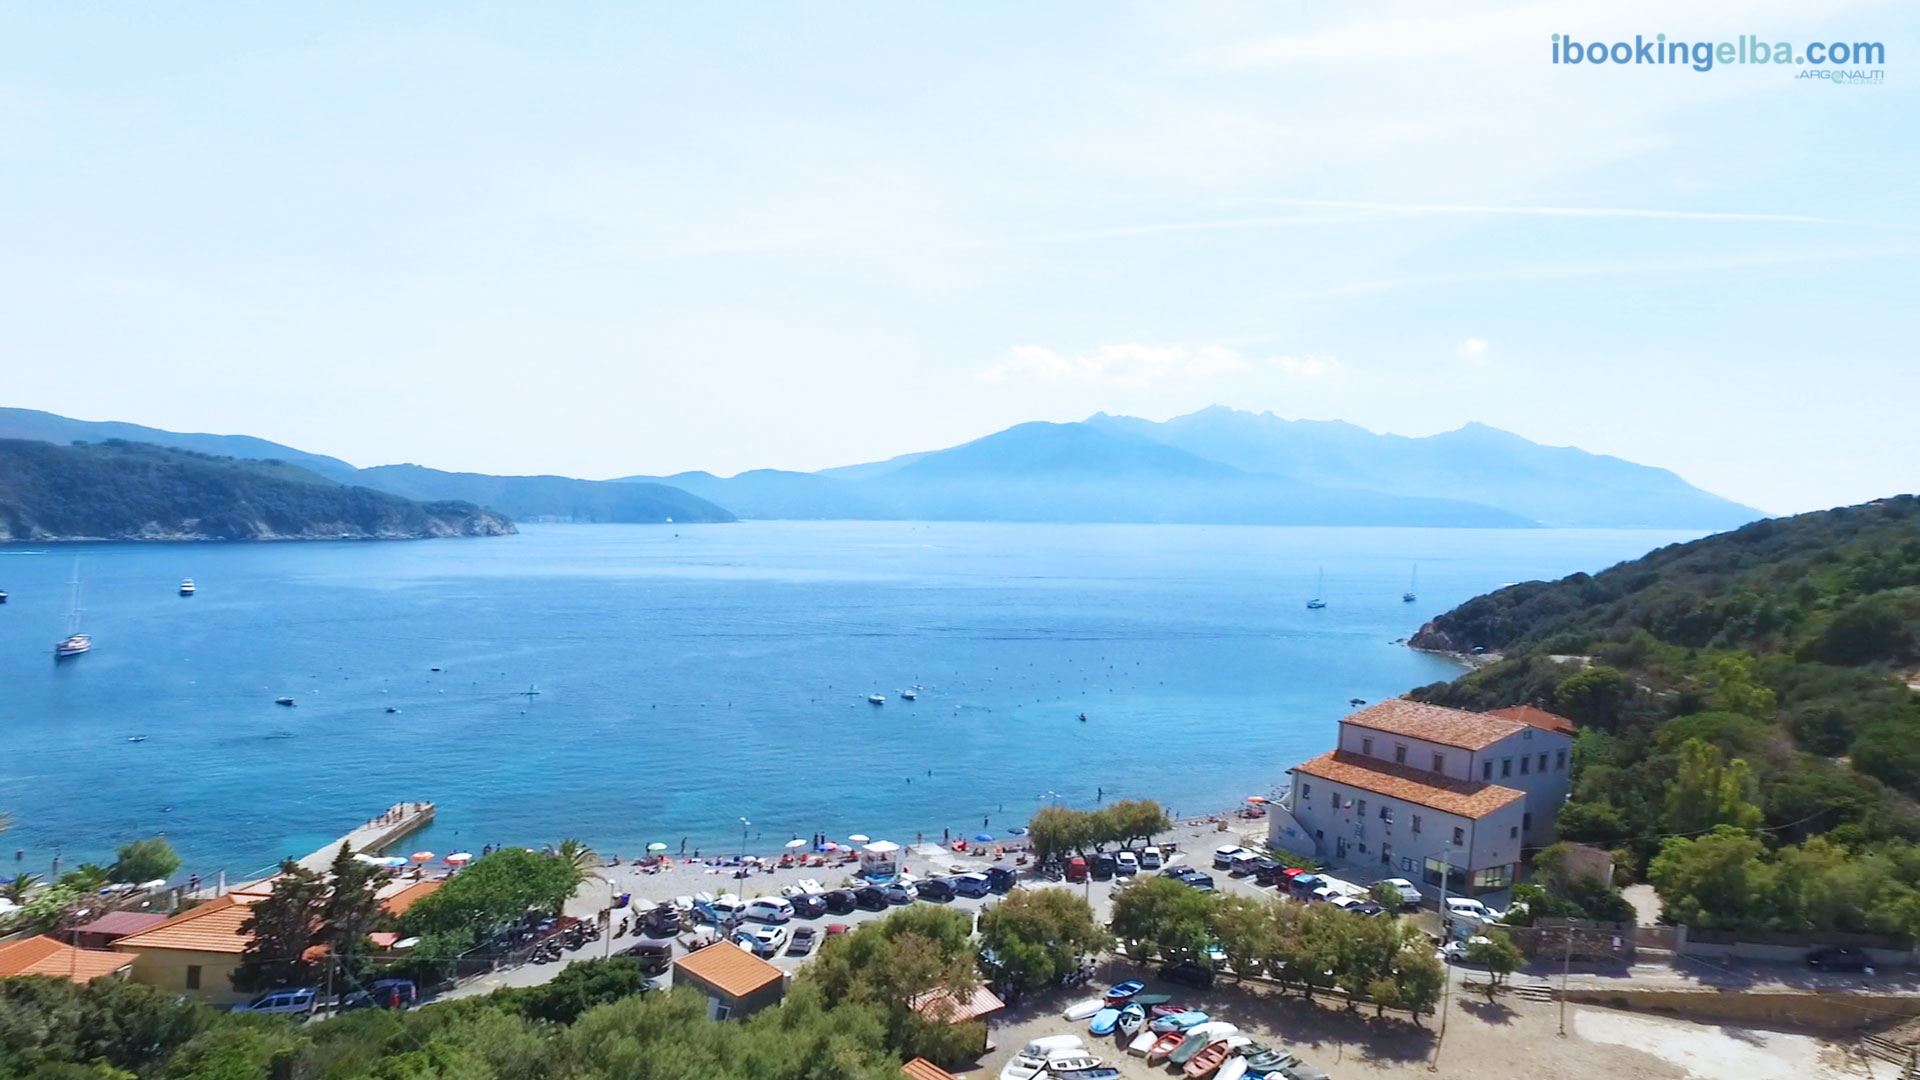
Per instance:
{"type": "Point", "coordinates": [1543, 761]}
{"type": "Point", "coordinates": [1440, 763]}
{"type": "Point", "coordinates": [193, 976]}
{"type": "Point", "coordinates": [1361, 808]}
{"type": "Point", "coordinates": [1493, 877]}
{"type": "Point", "coordinates": [1386, 814]}
{"type": "Point", "coordinates": [1459, 836]}
{"type": "Point", "coordinates": [721, 1012]}
{"type": "Point", "coordinates": [1363, 848]}
{"type": "Point", "coordinates": [1416, 823]}
{"type": "Point", "coordinates": [1400, 755]}
{"type": "Point", "coordinates": [1456, 879]}
{"type": "Point", "coordinates": [1526, 822]}
{"type": "Point", "coordinates": [1486, 770]}
{"type": "Point", "coordinates": [1306, 790]}
{"type": "Point", "coordinates": [1506, 767]}
{"type": "Point", "coordinates": [1560, 761]}
{"type": "Point", "coordinates": [1366, 747]}
{"type": "Point", "coordinates": [1524, 762]}
{"type": "Point", "coordinates": [1513, 832]}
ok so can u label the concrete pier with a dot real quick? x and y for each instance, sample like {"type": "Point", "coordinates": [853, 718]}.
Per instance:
{"type": "Point", "coordinates": [398, 822]}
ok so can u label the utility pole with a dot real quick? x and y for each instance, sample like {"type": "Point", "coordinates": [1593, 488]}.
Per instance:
{"type": "Point", "coordinates": [1446, 938]}
{"type": "Point", "coordinates": [1566, 965]}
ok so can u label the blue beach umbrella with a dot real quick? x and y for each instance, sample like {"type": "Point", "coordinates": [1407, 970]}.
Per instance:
{"type": "Point", "coordinates": [983, 838]}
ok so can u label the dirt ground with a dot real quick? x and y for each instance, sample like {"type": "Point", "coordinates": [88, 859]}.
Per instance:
{"type": "Point", "coordinates": [1512, 1039]}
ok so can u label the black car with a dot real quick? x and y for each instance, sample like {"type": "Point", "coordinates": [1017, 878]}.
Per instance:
{"type": "Point", "coordinates": [1839, 958]}
{"type": "Point", "coordinates": [1000, 879]}
{"type": "Point", "coordinates": [1269, 872]}
{"type": "Point", "coordinates": [840, 901]}
{"type": "Point", "coordinates": [1178, 873]}
{"type": "Point", "coordinates": [1102, 866]}
{"type": "Point", "coordinates": [870, 898]}
{"type": "Point", "coordinates": [1188, 973]}
{"type": "Point", "coordinates": [655, 956]}
{"type": "Point", "coordinates": [662, 921]}
{"type": "Point", "coordinates": [934, 889]}
{"type": "Point", "coordinates": [809, 906]}
{"type": "Point", "coordinates": [1202, 882]}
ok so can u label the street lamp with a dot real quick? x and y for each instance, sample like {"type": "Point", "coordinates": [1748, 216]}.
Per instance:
{"type": "Point", "coordinates": [1446, 983]}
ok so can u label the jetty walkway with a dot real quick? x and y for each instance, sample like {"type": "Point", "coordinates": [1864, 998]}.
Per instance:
{"type": "Point", "coordinates": [394, 825]}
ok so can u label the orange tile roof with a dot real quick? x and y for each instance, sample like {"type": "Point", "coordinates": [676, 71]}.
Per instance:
{"type": "Point", "coordinates": [1537, 717]}
{"type": "Point", "coordinates": [212, 927]}
{"type": "Point", "coordinates": [43, 955]}
{"type": "Point", "coordinates": [1435, 723]}
{"type": "Point", "coordinates": [942, 1005]}
{"type": "Point", "coordinates": [1464, 798]}
{"type": "Point", "coordinates": [730, 969]}
{"type": "Point", "coordinates": [399, 902]}
{"type": "Point", "coordinates": [922, 1069]}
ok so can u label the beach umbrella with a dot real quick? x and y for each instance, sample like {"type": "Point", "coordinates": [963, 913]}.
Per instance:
{"type": "Point", "coordinates": [796, 842]}
{"type": "Point", "coordinates": [656, 846]}
{"type": "Point", "coordinates": [830, 846]}
{"type": "Point", "coordinates": [459, 858]}
{"type": "Point", "coordinates": [859, 838]}
{"type": "Point", "coordinates": [422, 856]}
{"type": "Point", "coordinates": [1256, 798]}
{"type": "Point", "coordinates": [393, 860]}
{"type": "Point", "coordinates": [983, 838]}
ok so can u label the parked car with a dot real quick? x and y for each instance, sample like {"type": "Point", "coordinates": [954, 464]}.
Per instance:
{"type": "Point", "coordinates": [1266, 872]}
{"type": "Point", "coordinates": [1076, 869]}
{"type": "Point", "coordinates": [383, 994]}
{"type": "Point", "coordinates": [1368, 908]}
{"type": "Point", "coordinates": [975, 885]}
{"type": "Point", "coordinates": [721, 911]}
{"type": "Point", "coordinates": [870, 898]}
{"type": "Point", "coordinates": [1408, 893]}
{"type": "Point", "coordinates": [1455, 952]}
{"type": "Point", "coordinates": [1102, 866]}
{"type": "Point", "coordinates": [1188, 973]}
{"type": "Point", "coordinates": [296, 1000]}
{"type": "Point", "coordinates": [1344, 903]}
{"type": "Point", "coordinates": [1223, 857]}
{"type": "Point", "coordinates": [769, 909]}
{"type": "Point", "coordinates": [809, 906]}
{"type": "Point", "coordinates": [762, 941]}
{"type": "Point", "coordinates": [804, 938]}
{"type": "Point", "coordinates": [1202, 882]}
{"type": "Point", "coordinates": [1242, 864]}
{"type": "Point", "coordinates": [1150, 858]}
{"type": "Point", "coordinates": [1467, 909]}
{"type": "Point", "coordinates": [935, 889]}
{"type": "Point", "coordinates": [1126, 863]}
{"type": "Point", "coordinates": [1001, 879]}
{"type": "Point", "coordinates": [1302, 885]}
{"type": "Point", "coordinates": [655, 956]}
{"type": "Point", "coordinates": [840, 901]}
{"type": "Point", "coordinates": [1839, 958]}
{"type": "Point", "coordinates": [662, 921]}
{"type": "Point", "coordinates": [899, 892]}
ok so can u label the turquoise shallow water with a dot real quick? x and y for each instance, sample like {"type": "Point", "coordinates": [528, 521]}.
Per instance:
{"type": "Point", "coordinates": [689, 676]}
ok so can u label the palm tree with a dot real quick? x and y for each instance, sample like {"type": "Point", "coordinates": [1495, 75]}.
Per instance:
{"type": "Point", "coordinates": [20, 886]}
{"type": "Point", "coordinates": [576, 854]}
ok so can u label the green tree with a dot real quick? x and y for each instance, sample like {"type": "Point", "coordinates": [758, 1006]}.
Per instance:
{"type": "Point", "coordinates": [580, 859]}
{"type": "Point", "coordinates": [1163, 917]}
{"type": "Point", "coordinates": [490, 893]}
{"type": "Point", "coordinates": [1707, 791]}
{"type": "Point", "coordinates": [580, 987]}
{"type": "Point", "coordinates": [1717, 881]}
{"type": "Point", "coordinates": [1495, 952]}
{"type": "Point", "coordinates": [353, 909]}
{"type": "Point", "coordinates": [1035, 936]}
{"type": "Point", "coordinates": [281, 929]}
{"type": "Point", "coordinates": [1418, 977]}
{"type": "Point", "coordinates": [1735, 689]}
{"type": "Point", "coordinates": [50, 906]}
{"type": "Point", "coordinates": [887, 964]}
{"type": "Point", "coordinates": [1134, 820]}
{"type": "Point", "coordinates": [1593, 697]}
{"type": "Point", "coordinates": [1247, 931]}
{"type": "Point", "coordinates": [152, 859]}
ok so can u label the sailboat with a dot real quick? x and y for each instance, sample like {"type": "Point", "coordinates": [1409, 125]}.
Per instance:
{"type": "Point", "coordinates": [1319, 593]}
{"type": "Point", "coordinates": [75, 642]}
{"type": "Point", "coordinates": [1413, 587]}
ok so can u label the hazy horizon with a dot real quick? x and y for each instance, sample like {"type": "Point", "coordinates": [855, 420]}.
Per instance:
{"type": "Point", "coordinates": [600, 241]}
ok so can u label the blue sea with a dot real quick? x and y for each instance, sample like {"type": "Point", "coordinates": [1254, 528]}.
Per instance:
{"type": "Point", "coordinates": [688, 677]}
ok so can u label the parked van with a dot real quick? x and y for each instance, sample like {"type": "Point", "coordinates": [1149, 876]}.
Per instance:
{"type": "Point", "coordinates": [770, 909]}
{"type": "Point", "coordinates": [1150, 858]}
{"type": "Point", "coordinates": [1077, 869]}
{"type": "Point", "coordinates": [1242, 864]}
{"type": "Point", "coordinates": [1001, 879]}
{"type": "Point", "coordinates": [296, 1000]}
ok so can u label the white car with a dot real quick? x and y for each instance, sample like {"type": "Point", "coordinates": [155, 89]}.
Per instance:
{"type": "Point", "coordinates": [1150, 858]}
{"type": "Point", "coordinates": [762, 941]}
{"type": "Point", "coordinates": [1125, 864]}
{"type": "Point", "coordinates": [1455, 952]}
{"type": "Point", "coordinates": [1470, 910]}
{"type": "Point", "coordinates": [1408, 893]}
{"type": "Point", "coordinates": [769, 909]}
{"type": "Point", "coordinates": [1223, 857]}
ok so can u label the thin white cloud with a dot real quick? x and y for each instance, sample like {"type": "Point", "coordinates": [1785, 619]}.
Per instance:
{"type": "Point", "coordinates": [1470, 348]}
{"type": "Point", "coordinates": [1136, 366]}
{"type": "Point", "coordinates": [1482, 210]}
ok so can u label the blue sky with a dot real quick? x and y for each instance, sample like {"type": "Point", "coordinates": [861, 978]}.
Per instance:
{"type": "Point", "coordinates": [606, 239]}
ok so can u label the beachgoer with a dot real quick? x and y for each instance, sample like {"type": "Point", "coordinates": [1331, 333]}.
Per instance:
{"type": "Point", "coordinates": [946, 836]}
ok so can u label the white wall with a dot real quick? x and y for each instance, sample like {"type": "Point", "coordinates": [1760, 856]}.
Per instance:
{"type": "Point", "coordinates": [1455, 762]}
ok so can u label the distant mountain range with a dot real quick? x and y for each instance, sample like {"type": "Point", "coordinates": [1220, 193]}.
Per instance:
{"type": "Point", "coordinates": [1218, 466]}
{"type": "Point", "coordinates": [118, 490]}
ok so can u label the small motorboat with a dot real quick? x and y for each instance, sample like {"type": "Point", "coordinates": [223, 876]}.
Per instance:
{"type": "Point", "coordinates": [392, 709]}
{"type": "Point", "coordinates": [1208, 1060]}
{"type": "Point", "coordinates": [876, 699]}
{"type": "Point", "coordinates": [1083, 1010]}
{"type": "Point", "coordinates": [1179, 1021]}
{"type": "Point", "coordinates": [1266, 1059]}
{"type": "Point", "coordinates": [909, 695]}
{"type": "Point", "coordinates": [136, 738]}
{"type": "Point", "coordinates": [1156, 1011]}
{"type": "Point", "coordinates": [1103, 1021]}
{"type": "Point", "coordinates": [287, 701]}
{"type": "Point", "coordinates": [1098, 1072]}
{"type": "Point", "coordinates": [186, 587]}
{"type": "Point", "coordinates": [1063, 1062]}
{"type": "Point", "coordinates": [1124, 991]}
{"type": "Point", "coordinates": [1133, 1019]}
{"type": "Point", "coordinates": [1164, 1045]}
{"type": "Point", "coordinates": [1083, 718]}
{"type": "Point", "coordinates": [1195, 1042]}
{"type": "Point", "coordinates": [3, 596]}
{"type": "Point", "coordinates": [1142, 1043]}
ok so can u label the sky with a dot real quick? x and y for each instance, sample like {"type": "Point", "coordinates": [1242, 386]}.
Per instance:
{"type": "Point", "coordinates": [638, 238]}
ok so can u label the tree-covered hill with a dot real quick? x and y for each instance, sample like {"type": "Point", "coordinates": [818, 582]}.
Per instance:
{"type": "Point", "coordinates": [134, 491]}
{"type": "Point", "coordinates": [1749, 727]}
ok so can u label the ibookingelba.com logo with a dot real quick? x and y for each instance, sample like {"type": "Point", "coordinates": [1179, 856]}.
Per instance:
{"type": "Point", "coordinates": [1747, 49]}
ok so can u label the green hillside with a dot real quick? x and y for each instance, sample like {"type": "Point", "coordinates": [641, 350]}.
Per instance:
{"type": "Point", "coordinates": [1750, 735]}
{"type": "Point", "coordinates": [135, 491]}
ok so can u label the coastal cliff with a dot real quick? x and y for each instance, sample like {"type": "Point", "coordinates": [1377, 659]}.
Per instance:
{"type": "Point", "coordinates": [135, 491]}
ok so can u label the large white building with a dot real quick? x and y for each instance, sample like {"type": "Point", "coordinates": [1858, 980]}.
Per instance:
{"type": "Point", "coordinates": [1412, 787]}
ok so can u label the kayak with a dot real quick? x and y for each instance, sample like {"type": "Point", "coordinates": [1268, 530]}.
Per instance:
{"type": "Point", "coordinates": [1103, 1021]}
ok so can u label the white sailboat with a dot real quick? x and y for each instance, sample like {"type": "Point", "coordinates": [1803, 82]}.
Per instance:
{"type": "Point", "coordinates": [75, 643]}
{"type": "Point", "coordinates": [1319, 593]}
{"type": "Point", "coordinates": [1413, 587]}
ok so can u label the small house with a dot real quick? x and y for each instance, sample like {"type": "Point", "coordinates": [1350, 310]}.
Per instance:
{"type": "Point", "coordinates": [736, 982]}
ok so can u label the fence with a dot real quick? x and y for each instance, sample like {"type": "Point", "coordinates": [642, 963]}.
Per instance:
{"type": "Point", "coordinates": [1576, 940]}
{"type": "Point", "coordinates": [1783, 947]}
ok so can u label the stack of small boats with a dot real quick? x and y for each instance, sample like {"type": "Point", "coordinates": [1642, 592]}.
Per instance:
{"type": "Point", "coordinates": [1155, 1028]}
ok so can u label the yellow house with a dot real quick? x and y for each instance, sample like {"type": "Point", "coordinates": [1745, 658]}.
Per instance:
{"type": "Point", "coordinates": [196, 952]}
